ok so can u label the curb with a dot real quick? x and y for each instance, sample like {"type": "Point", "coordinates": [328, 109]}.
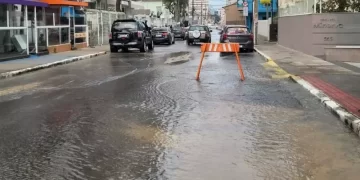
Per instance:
{"type": "Point", "coordinates": [346, 117]}
{"type": "Point", "coordinates": [48, 65]}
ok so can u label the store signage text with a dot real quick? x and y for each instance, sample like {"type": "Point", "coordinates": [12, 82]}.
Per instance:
{"type": "Point", "coordinates": [328, 24]}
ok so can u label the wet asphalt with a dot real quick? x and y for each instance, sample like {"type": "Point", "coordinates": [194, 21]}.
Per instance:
{"type": "Point", "coordinates": [133, 116]}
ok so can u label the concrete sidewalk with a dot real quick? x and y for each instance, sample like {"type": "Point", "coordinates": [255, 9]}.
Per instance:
{"type": "Point", "coordinates": [336, 86]}
{"type": "Point", "coordinates": [20, 66]}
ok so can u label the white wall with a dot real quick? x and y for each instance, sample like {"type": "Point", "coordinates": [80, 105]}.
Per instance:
{"type": "Point", "coordinates": [263, 28]}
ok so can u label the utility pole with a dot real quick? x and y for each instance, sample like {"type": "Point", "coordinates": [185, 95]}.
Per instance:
{"type": "Point", "coordinates": [255, 19]}
{"type": "Point", "coordinates": [177, 12]}
{"type": "Point", "coordinates": [192, 12]}
{"type": "Point", "coordinates": [201, 13]}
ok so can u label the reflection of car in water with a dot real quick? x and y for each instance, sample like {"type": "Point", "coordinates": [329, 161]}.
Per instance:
{"type": "Point", "coordinates": [197, 34]}
{"type": "Point", "coordinates": [238, 34]}
{"type": "Point", "coordinates": [163, 35]}
{"type": "Point", "coordinates": [129, 33]}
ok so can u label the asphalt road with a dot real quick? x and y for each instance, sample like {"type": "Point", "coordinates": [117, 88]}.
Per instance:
{"type": "Point", "coordinates": [133, 116]}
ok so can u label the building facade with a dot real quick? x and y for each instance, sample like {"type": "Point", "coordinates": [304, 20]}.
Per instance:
{"type": "Point", "coordinates": [228, 2]}
{"type": "Point", "coordinates": [36, 26]}
{"type": "Point", "coordinates": [202, 11]}
{"type": "Point", "coordinates": [233, 15]}
{"type": "Point", "coordinates": [222, 15]}
{"type": "Point", "coordinates": [262, 10]}
{"type": "Point", "coordinates": [315, 31]}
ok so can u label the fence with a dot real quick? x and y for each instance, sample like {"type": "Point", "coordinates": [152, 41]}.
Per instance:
{"type": "Point", "coordinates": [99, 25]}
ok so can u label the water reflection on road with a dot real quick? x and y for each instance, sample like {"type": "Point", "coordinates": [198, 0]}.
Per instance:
{"type": "Point", "coordinates": [131, 116]}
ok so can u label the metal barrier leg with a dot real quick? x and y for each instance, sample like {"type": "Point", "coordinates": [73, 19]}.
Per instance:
{"type": "Point", "coordinates": [240, 67]}
{"type": "Point", "coordinates": [200, 65]}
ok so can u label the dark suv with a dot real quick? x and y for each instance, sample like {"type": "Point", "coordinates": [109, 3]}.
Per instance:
{"type": "Point", "coordinates": [198, 34]}
{"type": "Point", "coordinates": [129, 33]}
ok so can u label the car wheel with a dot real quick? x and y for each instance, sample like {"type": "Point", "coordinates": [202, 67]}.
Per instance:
{"type": "Point", "coordinates": [250, 50]}
{"type": "Point", "coordinates": [151, 45]}
{"type": "Point", "coordinates": [113, 49]}
{"type": "Point", "coordinates": [144, 47]}
{"type": "Point", "coordinates": [188, 43]}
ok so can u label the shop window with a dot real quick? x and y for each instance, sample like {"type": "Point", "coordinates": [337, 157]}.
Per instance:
{"type": "Point", "coordinates": [12, 42]}
{"type": "Point", "coordinates": [80, 34]}
{"type": "Point", "coordinates": [80, 17]}
{"type": "Point", "coordinates": [54, 36]}
{"type": "Point", "coordinates": [52, 15]}
{"type": "Point", "coordinates": [64, 35]}
{"type": "Point", "coordinates": [16, 15]}
{"type": "Point", "coordinates": [64, 16]}
{"type": "Point", "coordinates": [42, 37]}
{"type": "Point", "coordinates": [3, 15]}
{"type": "Point", "coordinates": [40, 16]}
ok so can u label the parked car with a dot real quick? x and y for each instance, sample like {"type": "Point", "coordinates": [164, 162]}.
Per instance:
{"type": "Point", "coordinates": [163, 35]}
{"type": "Point", "coordinates": [130, 33]}
{"type": "Point", "coordinates": [179, 32]}
{"type": "Point", "coordinates": [197, 34]}
{"type": "Point", "coordinates": [238, 34]}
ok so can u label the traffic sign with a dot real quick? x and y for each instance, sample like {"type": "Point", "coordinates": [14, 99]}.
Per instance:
{"type": "Point", "coordinates": [245, 11]}
{"type": "Point", "coordinates": [245, 4]}
{"type": "Point", "coordinates": [240, 3]}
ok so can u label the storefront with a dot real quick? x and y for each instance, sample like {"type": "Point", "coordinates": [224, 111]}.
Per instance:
{"type": "Point", "coordinates": [60, 27]}
{"type": "Point", "coordinates": [14, 20]}
{"type": "Point", "coordinates": [41, 26]}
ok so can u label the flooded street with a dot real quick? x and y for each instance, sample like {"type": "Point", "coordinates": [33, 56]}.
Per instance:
{"type": "Point", "coordinates": [133, 116]}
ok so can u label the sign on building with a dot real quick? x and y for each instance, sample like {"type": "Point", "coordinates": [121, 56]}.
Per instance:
{"type": "Point", "coordinates": [245, 8]}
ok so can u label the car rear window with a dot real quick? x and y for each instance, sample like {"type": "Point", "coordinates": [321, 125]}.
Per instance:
{"type": "Point", "coordinates": [199, 28]}
{"type": "Point", "coordinates": [126, 24]}
{"type": "Point", "coordinates": [237, 30]}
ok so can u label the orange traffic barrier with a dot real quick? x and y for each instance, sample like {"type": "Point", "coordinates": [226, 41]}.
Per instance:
{"type": "Point", "coordinates": [220, 47]}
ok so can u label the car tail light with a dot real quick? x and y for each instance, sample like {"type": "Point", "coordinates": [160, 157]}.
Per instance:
{"type": "Point", "coordinates": [251, 36]}
{"type": "Point", "coordinates": [139, 33]}
{"type": "Point", "coordinates": [225, 36]}
{"type": "Point", "coordinates": [165, 34]}
{"type": "Point", "coordinates": [110, 36]}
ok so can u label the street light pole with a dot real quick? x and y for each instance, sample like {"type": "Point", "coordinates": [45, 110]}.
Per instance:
{"type": "Point", "coordinates": [192, 11]}
{"type": "Point", "coordinates": [255, 19]}
{"type": "Point", "coordinates": [201, 15]}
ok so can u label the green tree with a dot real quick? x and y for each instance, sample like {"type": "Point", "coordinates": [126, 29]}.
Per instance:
{"type": "Point", "coordinates": [337, 5]}
{"type": "Point", "coordinates": [171, 5]}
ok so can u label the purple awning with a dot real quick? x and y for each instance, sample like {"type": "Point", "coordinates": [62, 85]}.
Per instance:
{"type": "Point", "coordinates": [25, 2]}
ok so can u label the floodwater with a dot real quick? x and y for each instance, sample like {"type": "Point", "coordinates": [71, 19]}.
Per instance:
{"type": "Point", "coordinates": [132, 116]}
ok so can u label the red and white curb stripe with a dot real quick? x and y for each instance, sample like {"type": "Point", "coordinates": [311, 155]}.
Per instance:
{"type": "Point", "coordinates": [346, 117]}
{"type": "Point", "coordinates": [349, 119]}
{"type": "Point", "coordinates": [48, 65]}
